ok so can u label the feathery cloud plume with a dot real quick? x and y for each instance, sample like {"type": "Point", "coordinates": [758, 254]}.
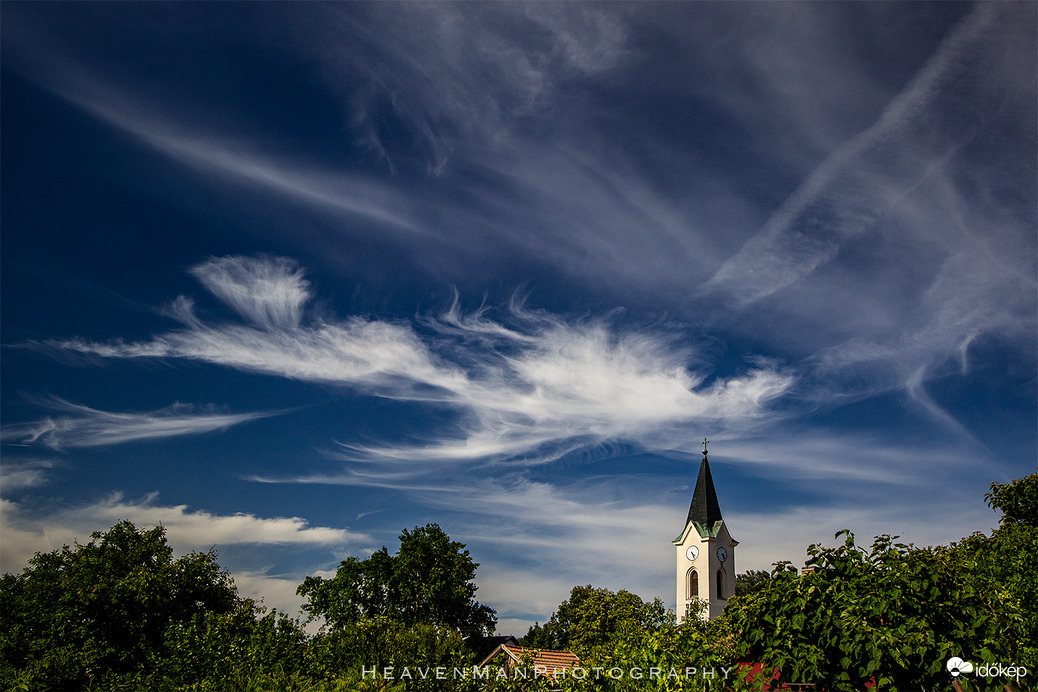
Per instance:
{"type": "Point", "coordinates": [82, 426]}
{"type": "Point", "coordinates": [535, 388]}
{"type": "Point", "coordinates": [270, 293]}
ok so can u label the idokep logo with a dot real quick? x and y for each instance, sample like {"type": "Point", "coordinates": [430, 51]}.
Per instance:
{"type": "Point", "coordinates": [956, 666]}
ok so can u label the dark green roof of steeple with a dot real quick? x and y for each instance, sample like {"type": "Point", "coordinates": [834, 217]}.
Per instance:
{"type": "Point", "coordinates": [705, 513]}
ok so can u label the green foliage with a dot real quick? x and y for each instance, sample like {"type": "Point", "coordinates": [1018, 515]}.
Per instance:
{"type": "Point", "coordinates": [375, 644]}
{"type": "Point", "coordinates": [428, 581]}
{"type": "Point", "coordinates": [895, 613]}
{"type": "Point", "coordinates": [119, 613]}
{"type": "Point", "coordinates": [665, 659]}
{"type": "Point", "coordinates": [593, 617]}
{"type": "Point", "coordinates": [232, 648]}
{"type": "Point", "coordinates": [1004, 567]}
{"type": "Point", "coordinates": [1018, 500]}
{"type": "Point", "coordinates": [621, 632]}
{"type": "Point", "coordinates": [751, 581]}
{"type": "Point", "coordinates": [75, 615]}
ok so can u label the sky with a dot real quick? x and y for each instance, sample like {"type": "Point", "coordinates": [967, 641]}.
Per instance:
{"type": "Point", "coordinates": [289, 278]}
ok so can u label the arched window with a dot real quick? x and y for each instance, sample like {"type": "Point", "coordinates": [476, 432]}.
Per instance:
{"type": "Point", "coordinates": [720, 584]}
{"type": "Point", "coordinates": [693, 583]}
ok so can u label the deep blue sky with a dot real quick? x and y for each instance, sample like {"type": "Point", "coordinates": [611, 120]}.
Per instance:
{"type": "Point", "coordinates": [289, 278]}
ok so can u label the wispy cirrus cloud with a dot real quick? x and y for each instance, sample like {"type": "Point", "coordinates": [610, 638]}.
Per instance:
{"type": "Point", "coordinates": [219, 156]}
{"type": "Point", "coordinates": [901, 246]}
{"type": "Point", "coordinates": [457, 76]}
{"type": "Point", "coordinates": [909, 185]}
{"type": "Point", "coordinates": [870, 176]}
{"type": "Point", "coordinates": [271, 293]}
{"type": "Point", "coordinates": [22, 474]}
{"type": "Point", "coordinates": [893, 256]}
{"type": "Point", "coordinates": [535, 388]}
{"type": "Point", "coordinates": [76, 425]}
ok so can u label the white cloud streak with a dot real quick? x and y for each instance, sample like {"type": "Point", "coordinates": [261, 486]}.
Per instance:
{"type": "Point", "coordinates": [219, 156]}
{"type": "Point", "coordinates": [459, 77]}
{"type": "Point", "coordinates": [270, 293]}
{"type": "Point", "coordinates": [536, 389]}
{"type": "Point", "coordinates": [23, 474]}
{"type": "Point", "coordinates": [82, 426]}
{"type": "Point", "coordinates": [861, 181]}
{"type": "Point", "coordinates": [198, 529]}
{"type": "Point", "coordinates": [893, 256]}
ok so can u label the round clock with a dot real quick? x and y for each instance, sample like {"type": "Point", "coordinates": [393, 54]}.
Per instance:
{"type": "Point", "coordinates": [692, 553]}
{"type": "Point", "coordinates": [722, 554]}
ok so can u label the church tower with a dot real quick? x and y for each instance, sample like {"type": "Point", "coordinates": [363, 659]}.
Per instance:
{"type": "Point", "coordinates": [706, 553]}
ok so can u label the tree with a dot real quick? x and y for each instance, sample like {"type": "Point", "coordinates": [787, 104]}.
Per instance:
{"type": "Point", "coordinates": [895, 613]}
{"type": "Point", "coordinates": [1018, 501]}
{"type": "Point", "coordinates": [751, 581]}
{"type": "Point", "coordinates": [428, 581]}
{"type": "Point", "coordinates": [591, 617]}
{"type": "Point", "coordinates": [1004, 567]}
{"type": "Point", "coordinates": [377, 643]}
{"type": "Point", "coordinates": [671, 650]}
{"type": "Point", "coordinates": [103, 608]}
{"type": "Point", "coordinates": [231, 650]}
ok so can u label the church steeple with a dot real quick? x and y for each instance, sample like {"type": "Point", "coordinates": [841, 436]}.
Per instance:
{"type": "Point", "coordinates": [705, 552]}
{"type": "Point", "coordinates": [704, 512]}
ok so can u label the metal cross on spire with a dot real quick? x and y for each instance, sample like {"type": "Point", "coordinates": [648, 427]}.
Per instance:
{"type": "Point", "coordinates": [705, 441]}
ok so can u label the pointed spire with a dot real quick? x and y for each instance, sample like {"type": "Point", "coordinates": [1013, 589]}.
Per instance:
{"type": "Point", "coordinates": [704, 512]}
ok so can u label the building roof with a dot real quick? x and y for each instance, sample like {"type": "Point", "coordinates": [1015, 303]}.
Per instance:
{"type": "Point", "coordinates": [543, 661]}
{"type": "Point", "coordinates": [483, 646]}
{"type": "Point", "coordinates": [704, 512]}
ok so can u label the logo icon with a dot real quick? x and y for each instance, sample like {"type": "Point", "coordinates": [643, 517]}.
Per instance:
{"type": "Point", "coordinates": [956, 666]}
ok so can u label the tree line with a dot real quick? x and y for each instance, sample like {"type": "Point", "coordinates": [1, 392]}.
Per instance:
{"type": "Point", "coordinates": [121, 612]}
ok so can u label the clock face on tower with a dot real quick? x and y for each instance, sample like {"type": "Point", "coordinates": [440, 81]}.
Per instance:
{"type": "Point", "coordinates": [692, 553]}
{"type": "Point", "coordinates": [722, 554]}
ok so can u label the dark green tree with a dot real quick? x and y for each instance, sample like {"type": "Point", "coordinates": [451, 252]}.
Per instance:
{"type": "Point", "coordinates": [1004, 566]}
{"type": "Point", "coordinates": [894, 612]}
{"type": "Point", "coordinates": [592, 617]}
{"type": "Point", "coordinates": [897, 612]}
{"type": "Point", "coordinates": [751, 581]}
{"type": "Point", "coordinates": [429, 580]}
{"type": "Point", "coordinates": [235, 651]}
{"type": "Point", "coordinates": [102, 609]}
{"type": "Point", "coordinates": [359, 652]}
{"type": "Point", "coordinates": [669, 649]}
{"type": "Point", "coordinates": [1018, 501]}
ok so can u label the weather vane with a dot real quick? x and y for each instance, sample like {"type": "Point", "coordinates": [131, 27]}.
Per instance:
{"type": "Point", "coordinates": [705, 441]}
